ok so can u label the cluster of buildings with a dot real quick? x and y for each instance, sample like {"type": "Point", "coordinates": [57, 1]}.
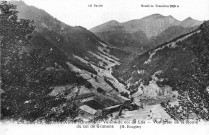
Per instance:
{"type": "Point", "coordinates": [90, 106]}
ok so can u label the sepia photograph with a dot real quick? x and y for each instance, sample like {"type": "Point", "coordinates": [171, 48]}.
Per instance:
{"type": "Point", "coordinates": [104, 66]}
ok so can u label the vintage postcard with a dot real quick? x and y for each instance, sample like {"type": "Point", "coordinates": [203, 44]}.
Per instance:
{"type": "Point", "coordinates": [104, 67]}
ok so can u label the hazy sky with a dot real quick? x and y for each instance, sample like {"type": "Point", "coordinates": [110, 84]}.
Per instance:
{"type": "Point", "coordinates": [77, 12]}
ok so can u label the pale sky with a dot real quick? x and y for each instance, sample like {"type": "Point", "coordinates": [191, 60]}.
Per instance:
{"type": "Point", "coordinates": [77, 12]}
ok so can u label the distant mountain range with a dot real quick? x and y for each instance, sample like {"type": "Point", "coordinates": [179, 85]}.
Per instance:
{"type": "Point", "coordinates": [144, 33]}
{"type": "Point", "coordinates": [156, 61]}
{"type": "Point", "coordinates": [151, 25]}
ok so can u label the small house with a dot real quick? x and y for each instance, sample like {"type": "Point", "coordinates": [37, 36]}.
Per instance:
{"type": "Point", "coordinates": [89, 110]}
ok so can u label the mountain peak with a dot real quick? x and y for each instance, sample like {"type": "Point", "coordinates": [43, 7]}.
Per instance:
{"type": "Point", "coordinates": [110, 25]}
{"type": "Point", "coordinates": [156, 14]}
{"type": "Point", "coordinates": [112, 22]}
{"type": "Point", "coordinates": [170, 16]}
{"type": "Point", "coordinates": [190, 22]}
{"type": "Point", "coordinates": [159, 16]}
{"type": "Point", "coordinates": [189, 18]}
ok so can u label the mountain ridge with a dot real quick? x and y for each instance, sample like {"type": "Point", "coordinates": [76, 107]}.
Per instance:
{"type": "Point", "coordinates": [140, 35]}
{"type": "Point", "coordinates": [134, 25]}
